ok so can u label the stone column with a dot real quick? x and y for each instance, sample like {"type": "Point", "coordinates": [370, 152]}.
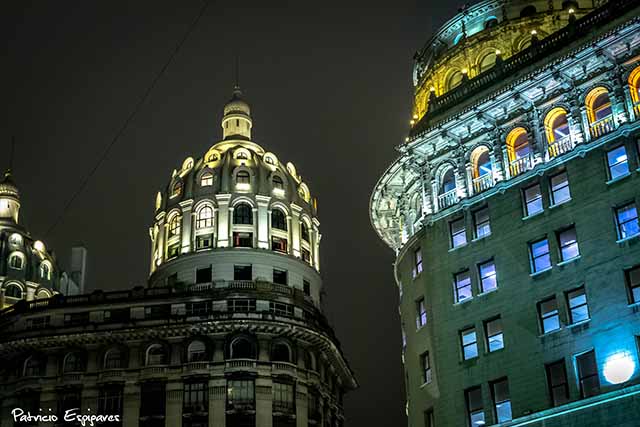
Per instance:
{"type": "Point", "coordinates": [506, 162]}
{"type": "Point", "coordinates": [264, 221]}
{"type": "Point", "coordinates": [496, 165]}
{"type": "Point", "coordinates": [315, 246]}
{"type": "Point", "coordinates": [186, 226]}
{"type": "Point", "coordinates": [294, 230]}
{"type": "Point", "coordinates": [575, 130]}
{"type": "Point", "coordinates": [434, 195]}
{"type": "Point", "coordinates": [469, 176]}
{"type": "Point", "coordinates": [301, 406]}
{"type": "Point", "coordinates": [224, 220]}
{"type": "Point", "coordinates": [264, 403]}
{"type": "Point", "coordinates": [89, 399]}
{"type": "Point", "coordinates": [217, 403]}
{"type": "Point", "coordinates": [427, 206]}
{"type": "Point", "coordinates": [585, 123]}
{"type": "Point", "coordinates": [289, 236]}
{"type": "Point", "coordinates": [173, 412]}
{"type": "Point", "coordinates": [131, 405]}
{"type": "Point", "coordinates": [628, 101]}
{"type": "Point", "coordinates": [254, 235]}
{"type": "Point", "coordinates": [461, 184]}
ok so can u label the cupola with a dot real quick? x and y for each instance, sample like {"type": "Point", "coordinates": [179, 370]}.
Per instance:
{"type": "Point", "coordinates": [9, 199]}
{"type": "Point", "coordinates": [236, 119]}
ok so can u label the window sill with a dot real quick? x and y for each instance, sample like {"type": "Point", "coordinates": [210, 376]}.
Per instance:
{"type": "Point", "coordinates": [538, 273]}
{"type": "Point", "coordinates": [480, 238]}
{"type": "Point", "coordinates": [619, 178]}
{"type": "Point", "coordinates": [634, 304]}
{"type": "Point", "coordinates": [533, 215]}
{"type": "Point", "coordinates": [487, 292]}
{"type": "Point", "coordinates": [494, 351]}
{"type": "Point", "coordinates": [419, 328]}
{"type": "Point", "coordinates": [550, 333]}
{"type": "Point", "coordinates": [626, 239]}
{"type": "Point", "coordinates": [458, 247]}
{"type": "Point", "coordinates": [464, 301]}
{"type": "Point", "coordinates": [582, 322]}
{"type": "Point", "coordinates": [569, 261]}
{"type": "Point", "coordinates": [425, 384]}
{"type": "Point", "coordinates": [560, 204]}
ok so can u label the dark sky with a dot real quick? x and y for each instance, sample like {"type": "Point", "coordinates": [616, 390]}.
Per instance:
{"type": "Point", "coordinates": [330, 89]}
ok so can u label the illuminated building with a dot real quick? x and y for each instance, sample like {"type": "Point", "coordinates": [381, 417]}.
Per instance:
{"type": "Point", "coordinates": [513, 212]}
{"type": "Point", "coordinates": [230, 330]}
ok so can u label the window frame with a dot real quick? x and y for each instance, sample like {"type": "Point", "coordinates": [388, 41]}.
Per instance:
{"type": "Point", "coordinates": [528, 202]}
{"type": "Point", "coordinates": [571, 308]}
{"type": "Point", "coordinates": [542, 316]}
{"type": "Point", "coordinates": [492, 386]}
{"type": "Point", "coordinates": [474, 343]}
{"type": "Point", "coordinates": [579, 375]}
{"type": "Point", "coordinates": [457, 288]}
{"type": "Point", "coordinates": [551, 386]}
{"type": "Point", "coordinates": [480, 225]}
{"type": "Point", "coordinates": [533, 258]}
{"type": "Point", "coordinates": [562, 247]}
{"type": "Point", "coordinates": [632, 286]}
{"type": "Point", "coordinates": [553, 191]}
{"type": "Point", "coordinates": [460, 232]}
{"type": "Point", "coordinates": [417, 261]}
{"type": "Point", "coordinates": [487, 324]}
{"type": "Point", "coordinates": [610, 165]}
{"type": "Point", "coordinates": [425, 365]}
{"type": "Point", "coordinates": [471, 411]}
{"type": "Point", "coordinates": [421, 313]}
{"type": "Point", "coordinates": [482, 278]}
{"type": "Point", "coordinates": [620, 225]}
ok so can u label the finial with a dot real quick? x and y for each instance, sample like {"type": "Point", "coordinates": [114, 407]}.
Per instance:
{"type": "Point", "coordinates": [237, 84]}
{"type": "Point", "coordinates": [13, 151]}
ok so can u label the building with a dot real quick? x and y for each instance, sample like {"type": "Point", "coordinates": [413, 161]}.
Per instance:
{"type": "Point", "coordinates": [513, 212]}
{"type": "Point", "coordinates": [229, 332]}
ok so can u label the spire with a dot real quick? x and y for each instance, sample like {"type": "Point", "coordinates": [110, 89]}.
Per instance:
{"type": "Point", "coordinates": [236, 119]}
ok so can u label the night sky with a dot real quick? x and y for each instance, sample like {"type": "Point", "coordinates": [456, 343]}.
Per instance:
{"type": "Point", "coordinates": [330, 90]}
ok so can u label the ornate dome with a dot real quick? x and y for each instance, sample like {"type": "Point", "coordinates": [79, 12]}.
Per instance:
{"type": "Point", "coordinates": [236, 104]}
{"type": "Point", "coordinates": [8, 188]}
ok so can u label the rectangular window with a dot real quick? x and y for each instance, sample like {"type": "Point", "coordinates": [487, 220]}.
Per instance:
{"type": "Point", "coordinates": [588, 374]}
{"type": "Point", "coordinates": [475, 410]}
{"type": "Point", "coordinates": [617, 162]}
{"type": "Point", "coordinates": [172, 280]}
{"type": "Point", "coordinates": [306, 255]}
{"type": "Point", "coordinates": [306, 287]}
{"type": "Point", "coordinates": [462, 283]}
{"type": "Point", "coordinates": [560, 188]}
{"type": "Point", "coordinates": [426, 368]}
{"type": "Point", "coordinates": [204, 241]}
{"type": "Point", "coordinates": [557, 382]}
{"type": "Point", "coordinates": [242, 240]}
{"type": "Point", "coordinates": [428, 418]}
{"type": "Point", "coordinates": [279, 244]}
{"type": "Point", "coordinates": [283, 398]}
{"type": "Point", "coordinates": [577, 303]}
{"type": "Point", "coordinates": [38, 322]}
{"type": "Point", "coordinates": [242, 272]}
{"type": "Point", "coordinates": [493, 331]}
{"type": "Point", "coordinates": [458, 233]}
{"type": "Point", "coordinates": [421, 313]}
{"type": "Point", "coordinates": [240, 395]}
{"type": "Point", "coordinates": [241, 305]}
{"type": "Point", "coordinates": [487, 273]}
{"type": "Point", "coordinates": [417, 259]}
{"type": "Point", "coordinates": [200, 308]}
{"type": "Point", "coordinates": [632, 277]}
{"type": "Point", "coordinates": [153, 399]}
{"type": "Point", "coordinates": [482, 223]}
{"type": "Point", "coordinates": [540, 258]}
{"type": "Point", "coordinates": [110, 400]}
{"type": "Point", "coordinates": [549, 315]}
{"type": "Point", "coordinates": [533, 200]}
{"type": "Point", "coordinates": [281, 309]}
{"type": "Point", "coordinates": [568, 242]}
{"type": "Point", "coordinates": [196, 397]}
{"type": "Point", "coordinates": [627, 221]}
{"type": "Point", "coordinates": [501, 400]}
{"type": "Point", "coordinates": [279, 276]}
{"type": "Point", "coordinates": [203, 275]}
{"type": "Point", "coordinates": [172, 250]}
{"type": "Point", "coordinates": [469, 343]}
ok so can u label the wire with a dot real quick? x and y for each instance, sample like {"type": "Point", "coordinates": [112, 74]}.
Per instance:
{"type": "Point", "coordinates": [130, 118]}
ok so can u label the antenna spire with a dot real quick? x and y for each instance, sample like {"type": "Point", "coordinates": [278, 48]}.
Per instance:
{"type": "Point", "coordinates": [237, 85]}
{"type": "Point", "coordinates": [13, 152]}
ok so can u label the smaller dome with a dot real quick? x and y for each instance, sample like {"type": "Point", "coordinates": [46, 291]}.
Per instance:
{"type": "Point", "coordinates": [237, 105]}
{"type": "Point", "coordinates": [8, 188]}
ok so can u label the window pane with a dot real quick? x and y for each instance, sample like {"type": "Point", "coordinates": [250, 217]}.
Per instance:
{"type": "Point", "coordinates": [627, 218]}
{"type": "Point", "coordinates": [463, 286]}
{"type": "Point", "coordinates": [503, 411]}
{"type": "Point", "coordinates": [458, 234]}
{"type": "Point", "coordinates": [483, 226]}
{"type": "Point", "coordinates": [533, 199]}
{"type": "Point", "coordinates": [568, 244]}
{"type": "Point", "coordinates": [617, 161]}
{"type": "Point", "coordinates": [560, 188]}
{"type": "Point", "coordinates": [488, 277]}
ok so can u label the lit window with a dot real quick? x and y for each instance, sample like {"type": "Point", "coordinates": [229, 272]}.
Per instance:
{"type": "Point", "coordinates": [475, 410]}
{"type": "Point", "coordinates": [501, 400]}
{"type": "Point", "coordinates": [197, 351]}
{"type": "Point", "coordinates": [426, 368]}
{"type": "Point", "coordinates": [279, 276]}
{"type": "Point", "coordinates": [495, 337]}
{"type": "Point", "coordinates": [242, 177]}
{"type": "Point", "coordinates": [306, 255]}
{"type": "Point", "coordinates": [557, 382]}
{"type": "Point", "coordinates": [462, 286]}
{"type": "Point", "coordinates": [487, 272]}
{"type": "Point", "coordinates": [458, 233]}
{"type": "Point", "coordinates": [633, 284]}
{"type": "Point", "coordinates": [568, 243]}
{"type": "Point", "coordinates": [488, 61]}
{"type": "Point", "coordinates": [238, 305]}
{"type": "Point", "coordinates": [578, 308]}
{"type": "Point", "coordinates": [240, 395]}
{"type": "Point", "coordinates": [627, 221]}
{"type": "Point", "coordinates": [482, 223]}
{"type": "Point", "coordinates": [549, 315]}
{"type": "Point", "coordinates": [277, 182]}
{"type": "Point", "coordinates": [598, 105]}
{"type": "Point", "coordinates": [279, 244]}
{"type": "Point", "coordinates": [417, 259]}
{"type": "Point", "coordinates": [177, 189]}
{"type": "Point", "coordinates": [242, 239]}
{"type": "Point", "coordinates": [469, 344]}
{"type": "Point", "coordinates": [617, 162]}
{"type": "Point", "coordinates": [205, 217]}
{"type": "Point", "coordinates": [532, 200]}
{"type": "Point", "coordinates": [448, 181]}
{"type": "Point", "coordinates": [283, 397]}
{"type": "Point", "coordinates": [278, 220]}
{"type": "Point", "coordinates": [557, 128]}
{"type": "Point", "coordinates": [204, 241]}
{"type": "Point", "coordinates": [540, 258]}
{"type": "Point", "coordinates": [455, 79]}
{"type": "Point", "coordinates": [588, 374]}
{"type": "Point", "coordinates": [15, 262]}
{"type": "Point", "coordinates": [560, 188]}
{"type": "Point", "coordinates": [421, 313]}
{"type": "Point", "coordinates": [195, 400]}
{"type": "Point", "coordinates": [45, 271]}
{"type": "Point", "coordinates": [243, 214]}
{"type": "Point", "coordinates": [175, 225]}
{"type": "Point", "coordinates": [518, 151]}
{"type": "Point", "coordinates": [206, 180]}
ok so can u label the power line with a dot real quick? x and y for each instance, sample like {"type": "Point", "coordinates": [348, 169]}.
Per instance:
{"type": "Point", "coordinates": [130, 118]}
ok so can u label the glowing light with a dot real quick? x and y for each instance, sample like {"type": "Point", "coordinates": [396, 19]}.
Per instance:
{"type": "Point", "coordinates": [415, 116]}
{"type": "Point", "coordinates": [464, 71]}
{"type": "Point", "coordinates": [407, 139]}
{"type": "Point", "coordinates": [243, 186]}
{"type": "Point", "coordinates": [412, 122]}
{"type": "Point", "coordinates": [432, 89]}
{"type": "Point", "coordinates": [534, 32]}
{"type": "Point", "coordinates": [619, 368]}
{"type": "Point", "coordinates": [38, 246]}
{"type": "Point", "coordinates": [498, 52]}
{"type": "Point", "coordinates": [571, 11]}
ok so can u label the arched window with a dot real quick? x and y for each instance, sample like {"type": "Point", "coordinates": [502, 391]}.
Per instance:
{"type": "Point", "coordinates": [197, 351]}
{"type": "Point", "coordinates": [73, 362]}
{"type": "Point", "coordinates": [241, 155]}
{"type": "Point", "coordinates": [206, 180]}
{"type": "Point", "coordinates": [599, 111]}
{"type": "Point", "coordinates": [488, 61]}
{"type": "Point", "coordinates": [43, 294]}
{"type": "Point", "coordinates": [448, 182]}
{"type": "Point", "coordinates": [175, 225]}
{"type": "Point", "coordinates": [242, 348]}
{"type": "Point", "coordinates": [113, 359]}
{"type": "Point", "coordinates": [278, 220]}
{"type": "Point", "coordinates": [481, 169]}
{"type": "Point", "coordinates": [15, 262]}
{"type": "Point", "coordinates": [45, 271]}
{"type": "Point", "coordinates": [13, 291]}
{"type": "Point", "coordinates": [556, 125]}
{"type": "Point", "coordinates": [243, 214]}
{"type": "Point", "coordinates": [177, 189]}
{"type": "Point", "coordinates": [304, 231]}
{"type": "Point", "coordinates": [309, 360]}
{"type": "Point", "coordinates": [634, 88]}
{"type": "Point", "coordinates": [242, 177]}
{"type": "Point", "coordinates": [205, 217]}
{"type": "Point", "coordinates": [303, 192]}
{"type": "Point", "coordinates": [277, 182]}
{"type": "Point", "coordinates": [281, 353]}
{"type": "Point", "coordinates": [34, 366]}
{"type": "Point", "coordinates": [212, 157]}
{"type": "Point", "coordinates": [519, 151]}
{"type": "Point", "coordinates": [156, 355]}
{"type": "Point", "coordinates": [455, 80]}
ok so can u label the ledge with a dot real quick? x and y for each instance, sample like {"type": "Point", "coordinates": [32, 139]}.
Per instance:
{"type": "Point", "coordinates": [620, 178]}
{"type": "Point", "coordinates": [550, 333]}
{"type": "Point", "coordinates": [539, 273]}
{"type": "Point", "coordinates": [560, 204]}
{"type": "Point", "coordinates": [524, 218]}
{"type": "Point", "coordinates": [459, 247]}
{"type": "Point", "coordinates": [580, 323]}
{"type": "Point", "coordinates": [464, 301]}
{"type": "Point", "coordinates": [569, 261]}
{"type": "Point", "coordinates": [622, 242]}
{"type": "Point", "coordinates": [477, 239]}
{"type": "Point", "coordinates": [481, 294]}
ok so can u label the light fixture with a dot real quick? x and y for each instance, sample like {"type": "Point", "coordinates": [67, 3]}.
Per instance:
{"type": "Point", "coordinates": [498, 52]}
{"type": "Point", "coordinates": [571, 11]}
{"type": "Point", "coordinates": [412, 122]}
{"type": "Point", "coordinates": [415, 117]}
{"type": "Point", "coordinates": [406, 139]}
{"type": "Point", "coordinates": [432, 89]}
{"type": "Point", "coordinates": [464, 71]}
{"type": "Point", "coordinates": [38, 246]}
{"type": "Point", "coordinates": [534, 32]}
{"type": "Point", "coordinates": [619, 367]}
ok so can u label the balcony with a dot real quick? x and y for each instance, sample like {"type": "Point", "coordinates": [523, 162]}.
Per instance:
{"type": "Point", "coordinates": [601, 127]}
{"type": "Point", "coordinates": [283, 368]}
{"type": "Point", "coordinates": [239, 364]}
{"type": "Point", "coordinates": [196, 366]}
{"type": "Point", "coordinates": [111, 374]}
{"type": "Point", "coordinates": [447, 199]}
{"type": "Point", "coordinates": [636, 110]}
{"type": "Point", "coordinates": [482, 183]}
{"type": "Point", "coordinates": [521, 165]}
{"type": "Point", "coordinates": [559, 147]}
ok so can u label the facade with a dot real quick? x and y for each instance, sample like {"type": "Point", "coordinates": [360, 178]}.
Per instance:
{"type": "Point", "coordinates": [513, 212]}
{"type": "Point", "coordinates": [229, 331]}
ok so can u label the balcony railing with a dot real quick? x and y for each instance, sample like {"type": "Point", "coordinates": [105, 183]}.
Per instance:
{"type": "Point", "coordinates": [521, 165]}
{"type": "Point", "coordinates": [483, 183]}
{"type": "Point", "coordinates": [602, 126]}
{"type": "Point", "coordinates": [289, 368]}
{"type": "Point", "coordinates": [240, 363]}
{"type": "Point", "coordinates": [559, 147]}
{"type": "Point", "coordinates": [447, 199]}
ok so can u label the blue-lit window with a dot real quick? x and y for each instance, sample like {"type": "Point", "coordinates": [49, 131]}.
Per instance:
{"type": "Point", "coordinates": [557, 382]}
{"type": "Point", "coordinates": [540, 257]}
{"type": "Point", "coordinates": [532, 200]}
{"type": "Point", "coordinates": [633, 284]}
{"type": "Point", "coordinates": [578, 308]}
{"type": "Point", "coordinates": [426, 368]}
{"type": "Point", "coordinates": [487, 272]}
{"type": "Point", "coordinates": [421, 313]}
{"type": "Point", "coordinates": [482, 223]}
{"type": "Point", "coordinates": [617, 162]}
{"type": "Point", "coordinates": [475, 409]}
{"type": "Point", "coordinates": [568, 242]}
{"type": "Point", "coordinates": [501, 400]}
{"type": "Point", "coordinates": [560, 188]}
{"type": "Point", "coordinates": [462, 283]}
{"type": "Point", "coordinates": [417, 259]}
{"type": "Point", "coordinates": [495, 337]}
{"type": "Point", "coordinates": [469, 344]}
{"type": "Point", "coordinates": [549, 315]}
{"type": "Point", "coordinates": [458, 233]}
{"type": "Point", "coordinates": [627, 221]}
{"type": "Point", "coordinates": [588, 374]}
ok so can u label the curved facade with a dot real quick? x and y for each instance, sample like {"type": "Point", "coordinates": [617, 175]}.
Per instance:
{"type": "Point", "coordinates": [513, 212]}
{"type": "Point", "coordinates": [229, 331]}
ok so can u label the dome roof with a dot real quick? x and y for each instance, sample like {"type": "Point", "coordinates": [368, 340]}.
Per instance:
{"type": "Point", "coordinates": [8, 188]}
{"type": "Point", "coordinates": [237, 105]}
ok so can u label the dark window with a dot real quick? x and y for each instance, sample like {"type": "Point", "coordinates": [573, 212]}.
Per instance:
{"type": "Point", "coordinates": [487, 273]}
{"type": "Point", "coordinates": [532, 200]}
{"type": "Point", "coordinates": [38, 322]}
{"type": "Point", "coordinates": [196, 397]}
{"type": "Point", "coordinates": [306, 287]}
{"type": "Point", "coordinates": [279, 244]}
{"type": "Point", "coordinates": [469, 343]}
{"type": "Point", "coordinates": [280, 276]}
{"type": "Point", "coordinates": [501, 400]}
{"type": "Point", "coordinates": [633, 284]}
{"type": "Point", "coordinates": [35, 366]}
{"type": "Point", "coordinates": [152, 399]}
{"type": "Point", "coordinates": [482, 223]}
{"type": "Point", "coordinates": [417, 259]}
{"type": "Point", "coordinates": [560, 188]}
{"type": "Point", "coordinates": [495, 336]}
{"type": "Point", "coordinates": [157, 355]}
{"type": "Point", "coordinates": [242, 240]}
{"type": "Point", "coordinates": [68, 400]}
{"type": "Point", "coordinates": [242, 177]}
{"type": "Point", "coordinates": [12, 290]}
{"type": "Point", "coordinates": [306, 255]}
{"type": "Point", "coordinates": [113, 359]}
{"type": "Point", "coordinates": [204, 241]}
{"type": "Point", "coordinates": [557, 382]}
{"type": "Point", "coordinates": [172, 280]}
{"type": "Point", "coordinates": [240, 395]}
{"type": "Point", "coordinates": [421, 313]}
{"type": "Point", "coordinates": [200, 308]}
{"type": "Point", "coordinates": [458, 233]}
{"type": "Point", "coordinates": [173, 250]}
{"type": "Point", "coordinates": [627, 221]}
{"type": "Point", "coordinates": [549, 315]}
{"type": "Point", "coordinates": [278, 183]}
{"type": "Point", "coordinates": [568, 242]}
{"type": "Point", "coordinates": [304, 231]}
{"type": "Point", "coordinates": [118, 315]}
{"type": "Point", "coordinates": [242, 272]}
{"type": "Point", "coordinates": [426, 367]}
{"type": "Point", "coordinates": [242, 348]}
{"type": "Point", "coordinates": [157, 311]}
{"type": "Point", "coordinates": [462, 283]}
{"type": "Point", "coordinates": [74, 319]}
{"type": "Point", "coordinates": [617, 162]}
{"type": "Point", "coordinates": [588, 374]}
{"type": "Point", "coordinates": [110, 401]}
{"type": "Point", "coordinates": [540, 258]}
{"type": "Point", "coordinates": [203, 275]}
{"type": "Point", "coordinates": [197, 351]}
{"type": "Point", "coordinates": [278, 220]}
{"type": "Point", "coordinates": [283, 397]}
{"type": "Point", "coordinates": [74, 362]}
{"type": "Point", "coordinates": [281, 353]}
{"type": "Point", "coordinates": [241, 305]}
{"type": "Point", "coordinates": [243, 214]}
{"type": "Point", "coordinates": [577, 303]}
{"type": "Point", "coordinates": [281, 309]}
{"type": "Point", "coordinates": [475, 410]}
